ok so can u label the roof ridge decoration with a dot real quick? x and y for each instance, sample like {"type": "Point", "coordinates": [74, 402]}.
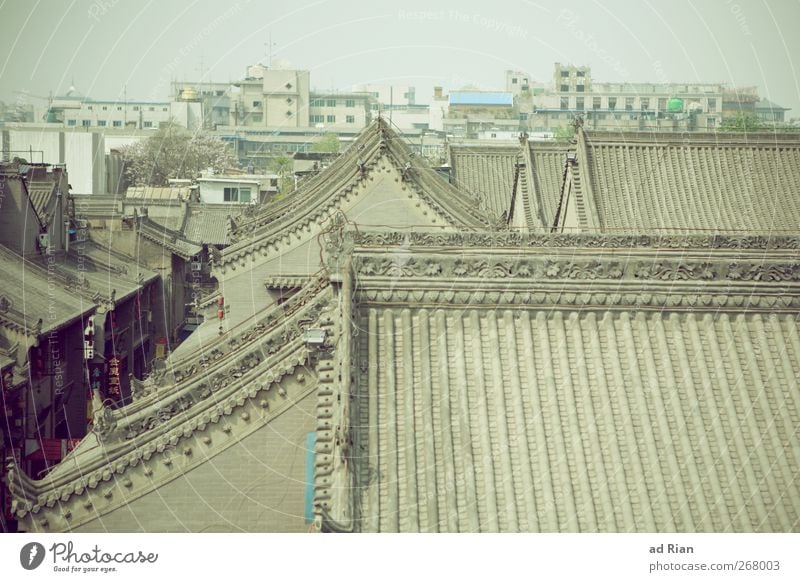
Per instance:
{"type": "Point", "coordinates": [585, 199]}
{"type": "Point", "coordinates": [319, 198]}
{"type": "Point", "coordinates": [165, 237]}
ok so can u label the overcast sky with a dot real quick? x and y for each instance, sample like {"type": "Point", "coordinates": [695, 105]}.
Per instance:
{"type": "Point", "coordinates": [104, 46]}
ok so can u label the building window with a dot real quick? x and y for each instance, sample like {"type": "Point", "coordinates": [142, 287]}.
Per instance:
{"type": "Point", "coordinates": [565, 103]}
{"type": "Point", "coordinates": [116, 123]}
{"type": "Point", "coordinates": [163, 109]}
{"type": "Point", "coordinates": [330, 102]}
{"type": "Point", "coordinates": [579, 103]}
{"type": "Point", "coordinates": [645, 103]}
{"type": "Point", "coordinates": [712, 122]}
{"type": "Point", "coordinates": [89, 107]}
{"type": "Point", "coordinates": [230, 194]}
{"type": "Point", "coordinates": [256, 103]}
{"type": "Point", "coordinates": [147, 124]}
{"type": "Point", "coordinates": [662, 104]}
{"type": "Point", "coordinates": [256, 118]}
{"type": "Point", "coordinates": [628, 103]}
{"type": "Point", "coordinates": [101, 123]}
{"type": "Point", "coordinates": [105, 108]}
{"type": "Point", "coordinates": [581, 73]}
{"type": "Point", "coordinates": [86, 123]}
{"type": "Point", "coordinates": [317, 119]}
{"type": "Point", "coordinates": [152, 108]}
{"type": "Point", "coordinates": [564, 74]}
{"type": "Point", "coordinates": [318, 103]}
{"type": "Point", "coordinates": [331, 119]}
{"type": "Point", "coordinates": [712, 104]}
{"type": "Point", "coordinates": [612, 103]}
{"type": "Point", "coordinates": [579, 88]}
{"type": "Point", "coordinates": [136, 108]}
{"type": "Point", "coordinates": [596, 103]}
{"type": "Point", "coordinates": [119, 108]}
{"type": "Point", "coordinates": [513, 80]}
{"type": "Point", "coordinates": [564, 88]}
{"type": "Point", "coordinates": [71, 122]}
{"type": "Point", "coordinates": [351, 119]}
{"type": "Point", "coordinates": [244, 194]}
{"type": "Point", "coordinates": [350, 103]}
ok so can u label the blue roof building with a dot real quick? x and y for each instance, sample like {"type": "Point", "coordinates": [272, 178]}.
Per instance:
{"type": "Point", "coordinates": [482, 98]}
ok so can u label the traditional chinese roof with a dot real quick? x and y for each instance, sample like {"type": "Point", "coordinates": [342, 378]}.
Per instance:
{"type": "Point", "coordinates": [528, 178]}
{"type": "Point", "coordinates": [377, 180]}
{"type": "Point", "coordinates": [209, 224]}
{"type": "Point", "coordinates": [33, 301]}
{"type": "Point", "coordinates": [172, 240]}
{"type": "Point", "coordinates": [469, 379]}
{"type": "Point", "coordinates": [551, 383]}
{"type": "Point", "coordinates": [704, 182]}
{"type": "Point", "coordinates": [486, 172]}
{"type": "Point", "coordinates": [202, 412]}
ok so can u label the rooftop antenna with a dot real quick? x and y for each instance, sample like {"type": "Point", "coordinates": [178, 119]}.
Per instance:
{"type": "Point", "coordinates": [268, 50]}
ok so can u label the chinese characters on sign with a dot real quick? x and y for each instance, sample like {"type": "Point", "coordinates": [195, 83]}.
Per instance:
{"type": "Point", "coordinates": [113, 377]}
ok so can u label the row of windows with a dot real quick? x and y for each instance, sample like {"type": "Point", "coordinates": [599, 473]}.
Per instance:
{"type": "Point", "coordinates": [331, 103]}
{"type": "Point", "coordinates": [119, 108]}
{"type": "Point", "coordinates": [103, 123]}
{"type": "Point", "coordinates": [329, 118]}
{"type": "Point", "coordinates": [644, 103]}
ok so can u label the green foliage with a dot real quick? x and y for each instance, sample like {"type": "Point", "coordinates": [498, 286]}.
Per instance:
{"type": "Point", "coordinates": [328, 144]}
{"type": "Point", "coordinates": [565, 133]}
{"type": "Point", "coordinates": [172, 152]}
{"type": "Point", "coordinates": [743, 122]}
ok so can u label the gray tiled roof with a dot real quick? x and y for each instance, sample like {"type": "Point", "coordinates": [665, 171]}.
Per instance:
{"type": "Point", "coordinates": [209, 223]}
{"type": "Point", "coordinates": [547, 174]}
{"type": "Point", "coordinates": [744, 183]}
{"type": "Point", "coordinates": [548, 421]}
{"type": "Point", "coordinates": [486, 172]}
{"type": "Point", "coordinates": [27, 285]}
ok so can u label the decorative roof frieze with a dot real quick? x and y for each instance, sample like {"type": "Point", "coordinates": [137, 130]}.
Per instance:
{"type": "Point", "coordinates": [518, 239]}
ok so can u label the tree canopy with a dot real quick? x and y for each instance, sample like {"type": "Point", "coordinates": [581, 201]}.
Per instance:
{"type": "Point", "coordinates": [743, 122]}
{"type": "Point", "coordinates": [174, 152]}
{"type": "Point", "coordinates": [328, 144]}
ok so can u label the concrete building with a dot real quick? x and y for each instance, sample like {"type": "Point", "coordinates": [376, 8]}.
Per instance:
{"type": "Point", "coordinates": [634, 106]}
{"type": "Point", "coordinates": [237, 189]}
{"type": "Point", "coordinates": [82, 151]}
{"type": "Point", "coordinates": [340, 111]}
{"type": "Point", "coordinates": [214, 99]}
{"type": "Point", "coordinates": [275, 98]}
{"type": "Point", "coordinates": [388, 96]}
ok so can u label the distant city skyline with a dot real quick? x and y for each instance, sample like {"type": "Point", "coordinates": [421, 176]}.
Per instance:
{"type": "Point", "coordinates": [110, 49]}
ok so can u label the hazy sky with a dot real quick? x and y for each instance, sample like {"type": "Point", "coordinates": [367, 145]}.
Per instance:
{"type": "Point", "coordinates": [105, 45]}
